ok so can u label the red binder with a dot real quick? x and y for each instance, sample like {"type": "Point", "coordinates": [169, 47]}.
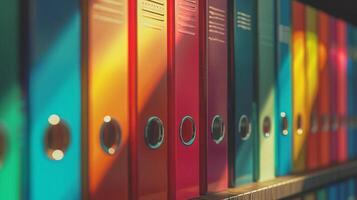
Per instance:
{"type": "Point", "coordinates": [341, 36]}
{"type": "Point", "coordinates": [333, 88]}
{"type": "Point", "coordinates": [183, 99]}
{"type": "Point", "coordinates": [149, 99]}
{"type": "Point", "coordinates": [323, 96]}
{"type": "Point", "coordinates": [213, 102]}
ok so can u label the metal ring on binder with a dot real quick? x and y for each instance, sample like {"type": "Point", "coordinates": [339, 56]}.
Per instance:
{"type": "Point", "coordinates": [187, 131]}
{"type": "Point", "coordinates": [284, 124]}
{"type": "Point", "coordinates": [110, 135]}
{"type": "Point", "coordinates": [57, 138]}
{"type": "Point", "coordinates": [217, 129]}
{"type": "Point", "coordinates": [244, 127]}
{"type": "Point", "coordinates": [266, 126]}
{"type": "Point", "coordinates": [154, 133]}
{"type": "Point", "coordinates": [2, 144]}
{"type": "Point", "coordinates": [299, 125]}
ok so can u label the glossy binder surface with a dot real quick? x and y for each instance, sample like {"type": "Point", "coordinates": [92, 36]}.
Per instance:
{"type": "Point", "coordinates": [299, 86]}
{"type": "Point", "coordinates": [108, 93]}
{"type": "Point", "coordinates": [151, 101]}
{"type": "Point", "coordinates": [242, 135]}
{"type": "Point", "coordinates": [184, 99]}
{"type": "Point", "coordinates": [352, 90]}
{"type": "Point", "coordinates": [323, 96]}
{"type": "Point", "coordinates": [312, 80]}
{"type": "Point", "coordinates": [342, 145]}
{"type": "Point", "coordinates": [284, 109]}
{"type": "Point", "coordinates": [11, 104]}
{"type": "Point", "coordinates": [333, 89]}
{"type": "Point", "coordinates": [214, 119]}
{"type": "Point", "coordinates": [54, 97]}
{"type": "Point", "coordinates": [266, 91]}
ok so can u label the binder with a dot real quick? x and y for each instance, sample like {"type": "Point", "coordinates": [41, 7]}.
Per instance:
{"type": "Point", "coordinates": [333, 89]}
{"type": "Point", "coordinates": [183, 99]}
{"type": "Point", "coordinates": [310, 196]}
{"type": "Point", "coordinates": [242, 60]}
{"type": "Point", "coordinates": [333, 192]}
{"type": "Point", "coordinates": [341, 35]}
{"type": "Point", "coordinates": [213, 95]}
{"type": "Point", "coordinates": [323, 96]}
{"type": "Point", "coordinates": [312, 80]}
{"type": "Point", "coordinates": [54, 99]}
{"type": "Point", "coordinates": [284, 109]}
{"type": "Point", "coordinates": [266, 91]}
{"type": "Point", "coordinates": [299, 86]}
{"type": "Point", "coordinates": [352, 93]}
{"type": "Point", "coordinates": [11, 103]}
{"type": "Point", "coordinates": [351, 188]}
{"type": "Point", "coordinates": [108, 100]}
{"type": "Point", "coordinates": [149, 99]}
{"type": "Point", "coordinates": [321, 194]}
{"type": "Point", "coordinates": [343, 189]}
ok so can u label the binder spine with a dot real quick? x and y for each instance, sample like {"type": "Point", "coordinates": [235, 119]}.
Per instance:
{"type": "Point", "coordinates": [184, 99]}
{"type": "Point", "coordinates": [267, 90]}
{"type": "Point", "coordinates": [54, 99]}
{"type": "Point", "coordinates": [342, 145]}
{"type": "Point", "coordinates": [108, 94]}
{"type": "Point", "coordinates": [312, 88]}
{"type": "Point", "coordinates": [12, 117]}
{"type": "Point", "coordinates": [151, 95]}
{"type": "Point", "coordinates": [284, 115]}
{"type": "Point", "coordinates": [352, 94]}
{"type": "Point", "coordinates": [299, 86]}
{"type": "Point", "coordinates": [324, 107]}
{"type": "Point", "coordinates": [214, 90]}
{"type": "Point", "coordinates": [242, 88]}
{"type": "Point", "coordinates": [333, 90]}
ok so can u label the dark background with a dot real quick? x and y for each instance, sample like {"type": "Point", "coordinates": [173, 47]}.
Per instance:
{"type": "Point", "coordinates": [345, 9]}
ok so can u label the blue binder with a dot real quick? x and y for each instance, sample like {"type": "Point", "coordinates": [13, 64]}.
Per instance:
{"type": "Point", "coordinates": [242, 134]}
{"type": "Point", "coordinates": [333, 192]}
{"type": "Point", "coordinates": [54, 100]}
{"type": "Point", "coordinates": [352, 90]}
{"type": "Point", "coordinates": [284, 113]}
{"type": "Point", "coordinates": [351, 190]}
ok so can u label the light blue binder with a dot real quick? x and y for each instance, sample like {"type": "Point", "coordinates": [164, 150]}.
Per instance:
{"type": "Point", "coordinates": [54, 88]}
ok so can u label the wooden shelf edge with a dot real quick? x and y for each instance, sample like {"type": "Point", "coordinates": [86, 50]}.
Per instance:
{"type": "Point", "coordinates": [287, 186]}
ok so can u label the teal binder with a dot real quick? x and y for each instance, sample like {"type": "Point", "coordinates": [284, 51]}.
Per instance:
{"type": "Point", "coordinates": [54, 99]}
{"type": "Point", "coordinates": [284, 112]}
{"type": "Point", "coordinates": [242, 135]}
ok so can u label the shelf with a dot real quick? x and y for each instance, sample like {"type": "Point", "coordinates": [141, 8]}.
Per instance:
{"type": "Point", "coordinates": [287, 186]}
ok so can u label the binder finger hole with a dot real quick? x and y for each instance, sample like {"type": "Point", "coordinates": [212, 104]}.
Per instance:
{"type": "Point", "coordinates": [2, 145]}
{"type": "Point", "coordinates": [299, 125]}
{"type": "Point", "coordinates": [57, 138]}
{"type": "Point", "coordinates": [244, 127]}
{"type": "Point", "coordinates": [284, 124]}
{"type": "Point", "coordinates": [110, 135]}
{"type": "Point", "coordinates": [266, 126]}
{"type": "Point", "coordinates": [217, 129]}
{"type": "Point", "coordinates": [187, 131]}
{"type": "Point", "coordinates": [314, 123]}
{"type": "Point", "coordinates": [154, 133]}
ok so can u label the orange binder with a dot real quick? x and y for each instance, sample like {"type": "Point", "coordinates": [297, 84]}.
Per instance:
{"type": "Point", "coordinates": [108, 99]}
{"type": "Point", "coordinates": [299, 86]}
{"type": "Point", "coordinates": [323, 97]}
{"type": "Point", "coordinates": [148, 99]}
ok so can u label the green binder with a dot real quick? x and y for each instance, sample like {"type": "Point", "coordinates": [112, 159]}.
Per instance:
{"type": "Point", "coordinates": [11, 116]}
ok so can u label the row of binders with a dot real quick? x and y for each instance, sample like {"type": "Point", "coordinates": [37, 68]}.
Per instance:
{"type": "Point", "coordinates": [344, 190]}
{"type": "Point", "coordinates": [170, 99]}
